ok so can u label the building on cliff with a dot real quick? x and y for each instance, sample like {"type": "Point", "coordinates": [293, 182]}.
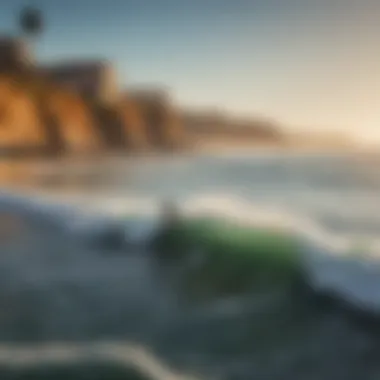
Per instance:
{"type": "Point", "coordinates": [94, 80]}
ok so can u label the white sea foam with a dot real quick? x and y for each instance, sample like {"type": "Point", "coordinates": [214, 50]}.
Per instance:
{"type": "Point", "coordinates": [123, 355]}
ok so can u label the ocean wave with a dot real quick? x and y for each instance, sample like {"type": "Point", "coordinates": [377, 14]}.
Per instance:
{"type": "Point", "coordinates": [344, 264]}
{"type": "Point", "coordinates": [54, 290]}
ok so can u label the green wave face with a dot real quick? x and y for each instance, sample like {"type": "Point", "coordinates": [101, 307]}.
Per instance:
{"type": "Point", "coordinates": [231, 258]}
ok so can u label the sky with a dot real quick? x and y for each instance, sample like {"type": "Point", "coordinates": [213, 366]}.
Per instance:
{"type": "Point", "coordinates": [306, 63]}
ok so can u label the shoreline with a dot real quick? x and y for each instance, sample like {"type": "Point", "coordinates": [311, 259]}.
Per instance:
{"type": "Point", "coordinates": [24, 172]}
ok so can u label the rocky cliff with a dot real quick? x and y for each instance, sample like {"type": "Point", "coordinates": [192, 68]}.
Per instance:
{"type": "Point", "coordinates": [20, 125]}
{"type": "Point", "coordinates": [162, 122]}
{"type": "Point", "coordinates": [38, 115]}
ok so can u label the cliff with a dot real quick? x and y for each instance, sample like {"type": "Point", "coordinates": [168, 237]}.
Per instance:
{"type": "Point", "coordinates": [214, 129]}
{"type": "Point", "coordinates": [133, 124]}
{"type": "Point", "coordinates": [120, 125]}
{"type": "Point", "coordinates": [162, 122]}
{"type": "Point", "coordinates": [76, 107]}
{"type": "Point", "coordinates": [40, 116]}
{"type": "Point", "coordinates": [20, 125]}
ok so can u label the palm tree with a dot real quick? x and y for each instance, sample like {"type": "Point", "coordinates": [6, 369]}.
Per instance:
{"type": "Point", "coordinates": [31, 23]}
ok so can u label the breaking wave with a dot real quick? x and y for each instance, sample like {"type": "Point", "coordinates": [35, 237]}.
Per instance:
{"type": "Point", "coordinates": [56, 288]}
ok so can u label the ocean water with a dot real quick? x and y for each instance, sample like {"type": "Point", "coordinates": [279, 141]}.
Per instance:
{"type": "Point", "coordinates": [66, 306]}
{"type": "Point", "coordinates": [335, 195]}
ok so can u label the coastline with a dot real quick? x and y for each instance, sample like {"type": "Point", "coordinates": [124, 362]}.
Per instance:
{"type": "Point", "coordinates": [94, 168]}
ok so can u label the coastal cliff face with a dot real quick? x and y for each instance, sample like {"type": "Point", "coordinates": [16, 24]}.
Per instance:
{"type": "Point", "coordinates": [39, 114]}
{"type": "Point", "coordinates": [33, 112]}
{"type": "Point", "coordinates": [133, 124]}
{"type": "Point", "coordinates": [162, 122]}
{"type": "Point", "coordinates": [75, 121]}
{"type": "Point", "coordinates": [76, 107]}
{"type": "Point", "coordinates": [19, 120]}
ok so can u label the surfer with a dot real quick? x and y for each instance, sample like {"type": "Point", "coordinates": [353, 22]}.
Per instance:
{"type": "Point", "coordinates": [169, 219]}
{"type": "Point", "coordinates": [170, 215]}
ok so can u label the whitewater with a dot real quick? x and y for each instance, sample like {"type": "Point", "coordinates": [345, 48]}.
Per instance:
{"type": "Point", "coordinates": [90, 303]}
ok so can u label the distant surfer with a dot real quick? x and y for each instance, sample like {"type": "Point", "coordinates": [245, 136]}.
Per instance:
{"type": "Point", "coordinates": [169, 220]}
{"type": "Point", "coordinates": [170, 215]}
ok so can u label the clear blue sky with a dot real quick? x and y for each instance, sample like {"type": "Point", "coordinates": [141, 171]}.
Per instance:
{"type": "Point", "coordinates": [307, 63]}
